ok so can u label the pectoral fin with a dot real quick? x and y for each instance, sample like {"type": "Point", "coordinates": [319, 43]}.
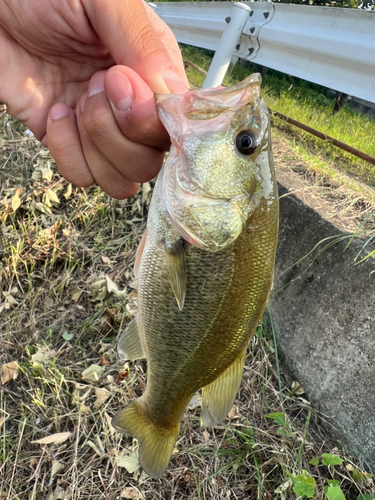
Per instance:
{"type": "Point", "coordinates": [218, 397]}
{"type": "Point", "coordinates": [138, 254]}
{"type": "Point", "coordinates": [175, 255]}
{"type": "Point", "coordinates": [129, 346]}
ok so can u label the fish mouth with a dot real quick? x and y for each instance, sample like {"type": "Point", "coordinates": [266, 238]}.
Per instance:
{"type": "Point", "coordinates": [255, 78]}
{"type": "Point", "coordinates": [252, 79]}
{"type": "Point", "coordinates": [204, 104]}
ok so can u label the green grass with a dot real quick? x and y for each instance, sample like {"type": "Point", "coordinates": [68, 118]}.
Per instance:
{"type": "Point", "coordinates": [307, 103]}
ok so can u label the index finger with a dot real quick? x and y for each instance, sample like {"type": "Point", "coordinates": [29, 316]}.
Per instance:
{"type": "Point", "coordinates": [125, 28]}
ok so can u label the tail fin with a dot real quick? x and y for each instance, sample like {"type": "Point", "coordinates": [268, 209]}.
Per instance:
{"type": "Point", "coordinates": [155, 443]}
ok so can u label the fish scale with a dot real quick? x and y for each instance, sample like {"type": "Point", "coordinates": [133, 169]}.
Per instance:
{"type": "Point", "coordinates": [206, 270]}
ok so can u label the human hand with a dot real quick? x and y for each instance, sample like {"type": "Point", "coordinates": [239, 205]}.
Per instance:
{"type": "Point", "coordinates": [59, 51]}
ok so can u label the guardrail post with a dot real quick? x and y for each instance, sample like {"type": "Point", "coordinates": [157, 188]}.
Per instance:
{"type": "Point", "coordinates": [153, 6]}
{"type": "Point", "coordinates": [229, 39]}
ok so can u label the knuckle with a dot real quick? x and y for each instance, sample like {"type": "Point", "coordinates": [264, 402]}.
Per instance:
{"type": "Point", "coordinates": [96, 122]}
{"type": "Point", "coordinates": [145, 41]}
{"type": "Point", "coordinates": [142, 37]}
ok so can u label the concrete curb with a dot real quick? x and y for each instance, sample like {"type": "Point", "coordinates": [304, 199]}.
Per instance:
{"type": "Point", "coordinates": [323, 309]}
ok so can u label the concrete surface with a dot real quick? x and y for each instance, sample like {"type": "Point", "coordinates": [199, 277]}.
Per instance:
{"type": "Point", "coordinates": [325, 323]}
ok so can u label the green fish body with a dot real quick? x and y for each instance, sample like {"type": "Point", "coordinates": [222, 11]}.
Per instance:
{"type": "Point", "coordinates": [205, 267]}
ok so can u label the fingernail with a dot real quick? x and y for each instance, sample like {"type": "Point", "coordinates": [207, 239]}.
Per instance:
{"type": "Point", "coordinates": [59, 111]}
{"type": "Point", "coordinates": [96, 84]}
{"type": "Point", "coordinates": [119, 90]}
{"type": "Point", "coordinates": [174, 82]}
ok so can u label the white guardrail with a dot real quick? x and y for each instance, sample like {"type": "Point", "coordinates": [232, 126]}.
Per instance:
{"type": "Point", "coordinates": [329, 46]}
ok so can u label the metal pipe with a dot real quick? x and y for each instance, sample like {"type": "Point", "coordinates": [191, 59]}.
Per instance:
{"type": "Point", "coordinates": [200, 70]}
{"type": "Point", "coordinates": [153, 6]}
{"type": "Point", "coordinates": [325, 137]}
{"type": "Point", "coordinates": [229, 39]}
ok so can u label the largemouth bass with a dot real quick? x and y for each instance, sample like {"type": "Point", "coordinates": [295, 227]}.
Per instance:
{"type": "Point", "coordinates": [205, 266]}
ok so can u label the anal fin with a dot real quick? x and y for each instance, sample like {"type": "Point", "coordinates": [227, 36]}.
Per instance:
{"type": "Point", "coordinates": [175, 255]}
{"type": "Point", "coordinates": [129, 346]}
{"type": "Point", "coordinates": [218, 397]}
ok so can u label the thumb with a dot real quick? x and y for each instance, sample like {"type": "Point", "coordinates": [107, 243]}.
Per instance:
{"type": "Point", "coordinates": [137, 38]}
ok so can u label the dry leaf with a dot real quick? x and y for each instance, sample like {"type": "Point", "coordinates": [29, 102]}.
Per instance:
{"type": "Point", "coordinates": [42, 171]}
{"type": "Point", "coordinates": [9, 300]}
{"type": "Point", "coordinates": [58, 494]}
{"type": "Point", "coordinates": [106, 260]}
{"type": "Point", "coordinates": [2, 420]}
{"type": "Point", "coordinates": [194, 402]}
{"type": "Point", "coordinates": [297, 389]}
{"type": "Point", "coordinates": [206, 436]}
{"type": "Point", "coordinates": [104, 346]}
{"type": "Point", "coordinates": [76, 295]}
{"type": "Point", "coordinates": [10, 372]}
{"type": "Point", "coordinates": [46, 201]}
{"type": "Point", "coordinates": [56, 467]}
{"type": "Point", "coordinates": [93, 373]}
{"type": "Point", "coordinates": [283, 488]}
{"type": "Point", "coordinates": [100, 291]}
{"type": "Point", "coordinates": [4, 307]}
{"type": "Point", "coordinates": [109, 422]}
{"type": "Point", "coordinates": [101, 396]}
{"type": "Point", "coordinates": [131, 493]}
{"type": "Point", "coordinates": [43, 208]}
{"type": "Point", "coordinates": [58, 438]}
{"type": "Point", "coordinates": [16, 200]}
{"type": "Point", "coordinates": [112, 287]}
{"type": "Point", "coordinates": [82, 387]}
{"type": "Point", "coordinates": [12, 301]}
{"type": "Point", "coordinates": [122, 374]}
{"type": "Point", "coordinates": [94, 447]}
{"type": "Point", "coordinates": [46, 233]}
{"type": "Point", "coordinates": [104, 361]}
{"type": "Point", "coordinates": [85, 409]}
{"type": "Point", "coordinates": [146, 188]}
{"type": "Point", "coordinates": [3, 495]}
{"type": "Point", "coordinates": [68, 192]}
{"type": "Point", "coordinates": [234, 413]}
{"type": "Point", "coordinates": [129, 462]}
{"type": "Point", "coordinates": [42, 355]}
{"type": "Point", "coordinates": [52, 196]}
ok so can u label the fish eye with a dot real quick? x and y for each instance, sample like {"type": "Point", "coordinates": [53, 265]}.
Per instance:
{"type": "Point", "coordinates": [246, 142]}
